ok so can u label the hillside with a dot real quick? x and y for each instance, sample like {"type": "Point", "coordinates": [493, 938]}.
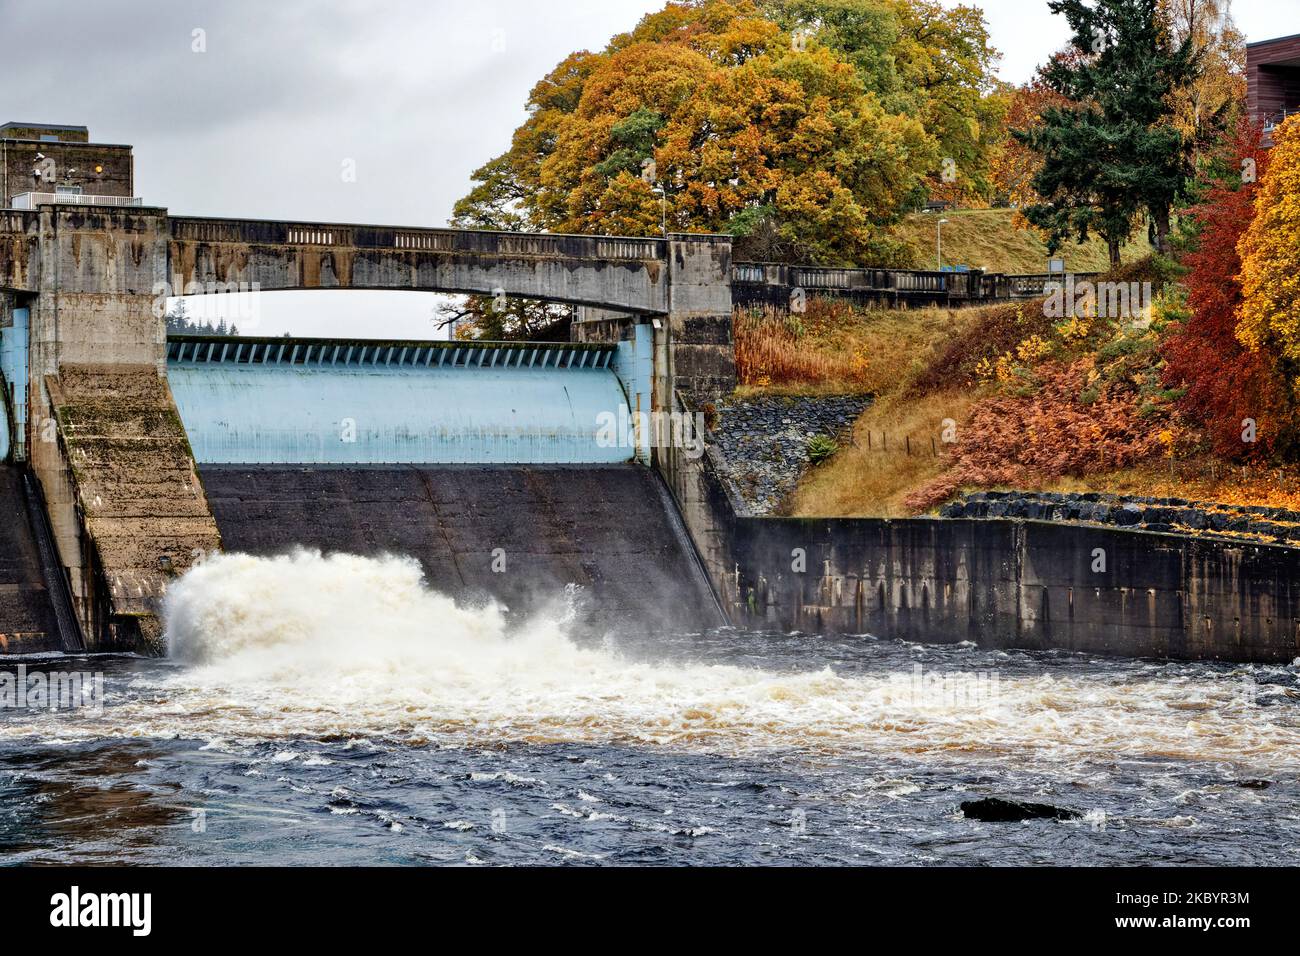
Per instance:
{"type": "Point", "coordinates": [989, 239]}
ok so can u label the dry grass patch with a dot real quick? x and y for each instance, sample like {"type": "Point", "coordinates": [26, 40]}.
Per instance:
{"type": "Point", "coordinates": [989, 239]}
{"type": "Point", "coordinates": [834, 348]}
{"type": "Point", "coordinates": [876, 473]}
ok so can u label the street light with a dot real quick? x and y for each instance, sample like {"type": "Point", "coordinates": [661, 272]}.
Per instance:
{"type": "Point", "coordinates": [938, 240]}
{"type": "Point", "coordinates": [663, 207]}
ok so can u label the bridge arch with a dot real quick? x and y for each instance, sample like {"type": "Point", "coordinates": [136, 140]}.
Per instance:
{"type": "Point", "coordinates": [614, 273]}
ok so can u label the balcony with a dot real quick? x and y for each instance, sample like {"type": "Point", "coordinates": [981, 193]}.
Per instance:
{"type": "Point", "coordinates": [32, 200]}
{"type": "Point", "coordinates": [1275, 120]}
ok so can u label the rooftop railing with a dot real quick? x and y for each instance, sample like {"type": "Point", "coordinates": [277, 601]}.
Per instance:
{"type": "Point", "coordinates": [32, 200]}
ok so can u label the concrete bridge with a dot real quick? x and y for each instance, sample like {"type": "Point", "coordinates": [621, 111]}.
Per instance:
{"type": "Point", "coordinates": [117, 422]}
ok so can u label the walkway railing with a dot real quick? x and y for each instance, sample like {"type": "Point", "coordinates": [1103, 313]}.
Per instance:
{"type": "Point", "coordinates": [765, 278]}
{"type": "Point", "coordinates": [32, 200]}
{"type": "Point", "coordinates": [530, 245]}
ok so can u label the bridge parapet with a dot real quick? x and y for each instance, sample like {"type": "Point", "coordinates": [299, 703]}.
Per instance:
{"type": "Point", "coordinates": [267, 232]}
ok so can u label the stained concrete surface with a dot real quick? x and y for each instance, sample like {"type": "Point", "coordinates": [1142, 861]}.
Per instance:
{"type": "Point", "coordinates": [27, 623]}
{"type": "Point", "coordinates": [608, 529]}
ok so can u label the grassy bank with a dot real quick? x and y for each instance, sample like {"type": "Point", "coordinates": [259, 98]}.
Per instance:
{"type": "Point", "coordinates": [988, 239]}
{"type": "Point", "coordinates": [1000, 397]}
{"type": "Point", "coordinates": [836, 349]}
{"type": "Point", "coordinates": [897, 446]}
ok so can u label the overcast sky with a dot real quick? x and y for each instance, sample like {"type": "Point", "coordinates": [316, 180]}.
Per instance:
{"type": "Point", "coordinates": [412, 95]}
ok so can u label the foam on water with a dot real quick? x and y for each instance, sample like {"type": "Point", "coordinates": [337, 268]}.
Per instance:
{"type": "Point", "coordinates": [317, 646]}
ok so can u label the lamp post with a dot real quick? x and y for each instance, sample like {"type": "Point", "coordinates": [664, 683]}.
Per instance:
{"type": "Point", "coordinates": [663, 207]}
{"type": "Point", "coordinates": [938, 241]}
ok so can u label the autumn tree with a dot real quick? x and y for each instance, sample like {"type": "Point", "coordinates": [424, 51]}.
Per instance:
{"type": "Point", "coordinates": [798, 128]}
{"type": "Point", "coordinates": [1226, 386]}
{"type": "Point", "coordinates": [921, 59]}
{"type": "Point", "coordinates": [1213, 102]}
{"type": "Point", "coordinates": [1269, 316]}
{"type": "Point", "coordinates": [1013, 164]}
{"type": "Point", "coordinates": [948, 64]}
{"type": "Point", "coordinates": [1115, 151]}
{"type": "Point", "coordinates": [807, 127]}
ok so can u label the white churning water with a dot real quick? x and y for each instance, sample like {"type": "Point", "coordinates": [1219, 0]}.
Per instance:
{"type": "Point", "coordinates": [312, 645]}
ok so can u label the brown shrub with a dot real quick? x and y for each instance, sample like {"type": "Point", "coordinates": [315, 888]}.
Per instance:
{"type": "Point", "coordinates": [771, 349]}
{"type": "Point", "coordinates": [993, 331]}
{"type": "Point", "coordinates": [1022, 439]}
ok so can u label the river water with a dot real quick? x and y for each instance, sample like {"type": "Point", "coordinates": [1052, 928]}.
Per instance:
{"type": "Point", "coordinates": [333, 711]}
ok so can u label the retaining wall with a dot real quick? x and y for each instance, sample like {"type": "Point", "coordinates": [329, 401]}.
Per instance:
{"type": "Point", "coordinates": [995, 582]}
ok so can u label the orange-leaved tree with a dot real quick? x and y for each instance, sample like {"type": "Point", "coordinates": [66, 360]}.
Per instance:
{"type": "Point", "coordinates": [743, 117]}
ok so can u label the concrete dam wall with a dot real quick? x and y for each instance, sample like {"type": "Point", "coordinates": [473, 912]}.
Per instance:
{"type": "Point", "coordinates": [518, 534]}
{"type": "Point", "coordinates": [996, 582]}
{"type": "Point", "coordinates": [486, 462]}
{"type": "Point", "coordinates": [29, 623]}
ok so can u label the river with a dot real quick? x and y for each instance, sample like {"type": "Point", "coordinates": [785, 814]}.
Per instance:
{"type": "Point", "coordinates": [335, 711]}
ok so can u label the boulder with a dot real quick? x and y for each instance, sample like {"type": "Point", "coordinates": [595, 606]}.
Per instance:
{"type": "Point", "coordinates": [1128, 516]}
{"type": "Point", "coordinates": [998, 810]}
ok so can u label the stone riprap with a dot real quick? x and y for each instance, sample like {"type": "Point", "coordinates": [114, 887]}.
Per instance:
{"type": "Point", "coordinates": [1254, 522]}
{"type": "Point", "coordinates": [762, 442]}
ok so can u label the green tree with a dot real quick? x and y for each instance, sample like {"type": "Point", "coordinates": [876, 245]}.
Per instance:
{"type": "Point", "coordinates": [1117, 150]}
{"type": "Point", "coordinates": [920, 59]}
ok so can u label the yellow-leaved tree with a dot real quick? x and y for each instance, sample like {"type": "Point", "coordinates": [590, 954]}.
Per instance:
{"type": "Point", "coordinates": [805, 129]}
{"type": "Point", "coordinates": [1269, 320]}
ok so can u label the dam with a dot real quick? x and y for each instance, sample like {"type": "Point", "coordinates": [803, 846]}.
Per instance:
{"type": "Point", "coordinates": [420, 604]}
{"type": "Point", "coordinates": [135, 456]}
{"type": "Point", "coordinates": [483, 461]}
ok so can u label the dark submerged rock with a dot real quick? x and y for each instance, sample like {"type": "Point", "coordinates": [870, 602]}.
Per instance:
{"type": "Point", "coordinates": [998, 810]}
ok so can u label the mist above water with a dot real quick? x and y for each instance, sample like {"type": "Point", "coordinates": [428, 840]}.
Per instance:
{"type": "Point", "coordinates": [313, 644]}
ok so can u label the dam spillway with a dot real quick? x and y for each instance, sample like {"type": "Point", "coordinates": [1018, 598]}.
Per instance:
{"type": "Point", "coordinates": [513, 533]}
{"type": "Point", "coordinates": [485, 462]}
{"type": "Point", "coordinates": [324, 402]}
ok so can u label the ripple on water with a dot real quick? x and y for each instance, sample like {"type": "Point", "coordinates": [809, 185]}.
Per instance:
{"type": "Point", "coordinates": [403, 728]}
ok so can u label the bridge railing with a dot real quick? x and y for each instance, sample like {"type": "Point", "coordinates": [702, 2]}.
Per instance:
{"type": "Point", "coordinates": [529, 245]}
{"type": "Point", "coordinates": [974, 286]}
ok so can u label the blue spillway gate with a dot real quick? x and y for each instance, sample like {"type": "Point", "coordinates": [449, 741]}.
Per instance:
{"type": "Point", "coordinates": [334, 402]}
